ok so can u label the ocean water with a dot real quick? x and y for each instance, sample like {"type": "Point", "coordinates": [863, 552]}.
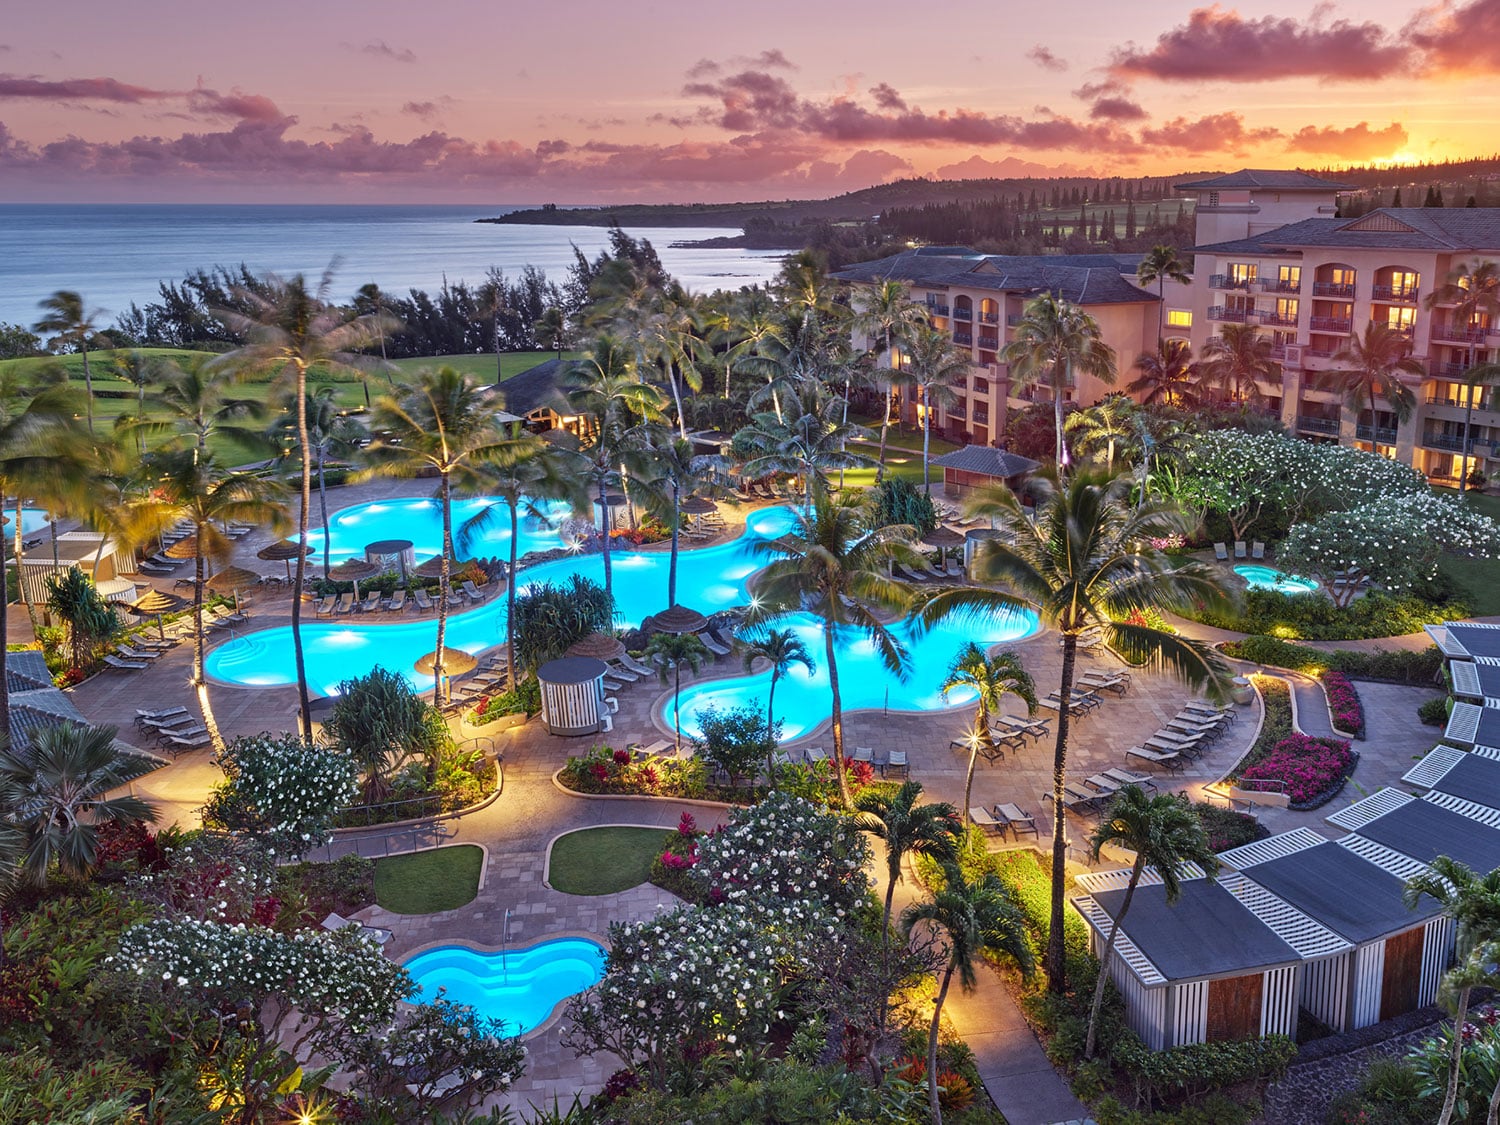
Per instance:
{"type": "Point", "coordinates": [117, 253]}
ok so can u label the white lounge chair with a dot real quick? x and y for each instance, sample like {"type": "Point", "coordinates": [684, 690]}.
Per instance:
{"type": "Point", "coordinates": [374, 933]}
{"type": "Point", "coordinates": [137, 654]}
{"type": "Point", "coordinates": [1239, 549]}
{"type": "Point", "coordinates": [126, 665]}
{"type": "Point", "coordinates": [1257, 550]}
{"type": "Point", "coordinates": [712, 645]}
{"type": "Point", "coordinates": [1221, 552]}
{"type": "Point", "coordinates": [1017, 820]}
{"type": "Point", "coordinates": [981, 816]}
{"type": "Point", "coordinates": [628, 661]}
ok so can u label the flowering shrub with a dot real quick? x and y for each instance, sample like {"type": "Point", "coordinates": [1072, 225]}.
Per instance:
{"type": "Point", "coordinates": [1173, 542]}
{"type": "Point", "coordinates": [1148, 619]}
{"type": "Point", "coordinates": [1311, 770]}
{"type": "Point", "coordinates": [525, 697]}
{"type": "Point", "coordinates": [1228, 829]}
{"type": "Point", "coordinates": [603, 770]}
{"type": "Point", "coordinates": [1479, 1072]}
{"type": "Point", "coordinates": [1343, 704]}
{"type": "Point", "coordinates": [283, 791]}
{"type": "Point", "coordinates": [224, 879]}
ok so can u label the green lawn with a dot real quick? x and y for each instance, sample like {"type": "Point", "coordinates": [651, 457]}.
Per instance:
{"type": "Point", "coordinates": [426, 882]}
{"type": "Point", "coordinates": [601, 861]}
{"type": "Point", "coordinates": [1477, 580]}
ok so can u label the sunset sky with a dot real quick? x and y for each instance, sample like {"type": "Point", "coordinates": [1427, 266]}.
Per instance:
{"type": "Point", "coordinates": [586, 101]}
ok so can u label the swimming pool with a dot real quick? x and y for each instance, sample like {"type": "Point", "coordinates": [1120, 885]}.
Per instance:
{"type": "Point", "coordinates": [32, 520]}
{"type": "Point", "coordinates": [1269, 578]}
{"type": "Point", "coordinates": [519, 986]}
{"type": "Point", "coordinates": [708, 579]}
{"type": "Point", "coordinates": [421, 520]}
{"type": "Point", "coordinates": [803, 698]}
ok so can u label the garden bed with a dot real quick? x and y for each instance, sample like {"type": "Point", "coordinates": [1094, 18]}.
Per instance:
{"type": "Point", "coordinates": [1395, 666]}
{"type": "Point", "coordinates": [1344, 707]}
{"type": "Point", "coordinates": [1313, 617]}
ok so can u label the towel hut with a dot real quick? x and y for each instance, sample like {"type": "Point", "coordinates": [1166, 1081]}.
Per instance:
{"type": "Point", "coordinates": [573, 695]}
{"type": "Point", "coordinates": [391, 554]}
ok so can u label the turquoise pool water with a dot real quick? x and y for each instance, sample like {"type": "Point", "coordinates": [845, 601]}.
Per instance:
{"type": "Point", "coordinates": [1269, 578]}
{"type": "Point", "coordinates": [32, 520]}
{"type": "Point", "coordinates": [803, 698]}
{"type": "Point", "coordinates": [519, 986]}
{"type": "Point", "coordinates": [708, 579]}
{"type": "Point", "coordinates": [421, 520]}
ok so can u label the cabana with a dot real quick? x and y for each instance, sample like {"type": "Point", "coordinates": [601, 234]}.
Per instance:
{"type": "Point", "coordinates": [1396, 955]}
{"type": "Point", "coordinates": [1224, 962]}
{"type": "Point", "coordinates": [1472, 725]}
{"type": "Point", "coordinates": [974, 465]}
{"type": "Point", "coordinates": [1426, 828]}
{"type": "Point", "coordinates": [1470, 776]}
{"type": "Point", "coordinates": [1476, 680]}
{"type": "Point", "coordinates": [1466, 640]}
{"type": "Point", "coordinates": [573, 695]}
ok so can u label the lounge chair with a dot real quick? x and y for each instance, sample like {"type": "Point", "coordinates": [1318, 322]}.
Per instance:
{"type": "Point", "coordinates": [1239, 549]}
{"type": "Point", "coordinates": [815, 754]}
{"type": "Point", "coordinates": [1016, 819]}
{"type": "Point", "coordinates": [158, 713]}
{"type": "Point", "coordinates": [1170, 760]}
{"type": "Point", "coordinates": [397, 602]}
{"type": "Point", "coordinates": [628, 661]}
{"type": "Point", "coordinates": [780, 758]}
{"type": "Point", "coordinates": [864, 754]}
{"type": "Point", "coordinates": [177, 724]}
{"type": "Point", "coordinates": [152, 568]}
{"type": "Point", "coordinates": [896, 764]}
{"type": "Point", "coordinates": [660, 746]}
{"type": "Point", "coordinates": [175, 743]}
{"type": "Point", "coordinates": [372, 933]}
{"type": "Point", "coordinates": [955, 569]}
{"type": "Point", "coordinates": [1031, 728]}
{"type": "Point", "coordinates": [371, 602]}
{"type": "Point", "coordinates": [325, 606]}
{"type": "Point", "coordinates": [1257, 550]}
{"type": "Point", "coordinates": [423, 600]}
{"type": "Point", "coordinates": [136, 654]}
{"type": "Point", "coordinates": [981, 816]}
{"type": "Point", "coordinates": [1207, 709]}
{"type": "Point", "coordinates": [1131, 777]}
{"type": "Point", "coordinates": [344, 606]}
{"type": "Point", "coordinates": [620, 673]}
{"type": "Point", "coordinates": [1106, 786]}
{"type": "Point", "coordinates": [1169, 745]}
{"type": "Point", "coordinates": [1095, 681]}
{"type": "Point", "coordinates": [125, 665]}
{"type": "Point", "coordinates": [712, 645]}
{"type": "Point", "coordinates": [475, 595]}
{"type": "Point", "coordinates": [1221, 552]}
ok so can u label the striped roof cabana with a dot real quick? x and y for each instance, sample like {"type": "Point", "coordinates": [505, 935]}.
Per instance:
{"type": "Point", "coordinates": [1468, 775]}
{"type": "Point", "coordinates": [1472, 725]}
{"type": "Point", "coordinates": [1466, 640]}
{"type": "Point", "coordinates": [1425, 828]}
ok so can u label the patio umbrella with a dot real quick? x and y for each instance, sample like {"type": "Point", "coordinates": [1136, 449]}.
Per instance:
{"type": "Point", "coordinates": [456, 662]}
{"type": "Point", "coordinates": [184, 548]}
{"type": "Point", "coordinates": [154, 603]}
{"type": "Point", "coordinates": [232, 579]}
{"type": "Point", "coordinates": [943, 538]}
{"type": "Point", "coordinates": [697, 506]}
{"type": "Point", "coordinates": [600, 646]}
{"type": "Point", "coordinates": [353, 570]}
{"type": "Point", "coordinates": [433, 567]}
{"type": "Point", "coordinates": [678, 619]}
{"type": "Point", "coordinates": [284, 551]}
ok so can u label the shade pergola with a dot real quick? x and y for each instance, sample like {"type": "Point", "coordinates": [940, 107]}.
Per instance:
{"type": "Point", "coordinates": [599, 646]}
{"type": "Point", "coordinates": [678, 619]}
{"type": "Point", "coordinates": [697, 506]}
{"type": "Point", "coordinates": [284, 551]}
{"type": "Point", "coordinates": [154, 603]}
{"type": "Point", "coordinates": [354, 570]}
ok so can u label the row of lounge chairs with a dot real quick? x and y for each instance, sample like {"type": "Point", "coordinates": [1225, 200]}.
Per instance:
{"type": "Point", "coordinates": [174, 729]}
{"type": "Point", "coordinates": [1257, 550]}
{"type": "Point", "coordinates": [342, 605]}
{"type": "Point", "coordinates": [1185, 737]}
{"type": "Point", "coordinates": [933, 572]}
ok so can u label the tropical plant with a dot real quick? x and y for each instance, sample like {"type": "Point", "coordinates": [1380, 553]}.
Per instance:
{"type": "Point", "coordinates": [1053, 342]}
{"type": "Point", "coordinates": [1159, 265]}
{"type": "Point", "coordinates": [888, 316]}
{"type": "Point", "coordinates": [1234, 364]}
{"type": "Point", "coordinates": [973, 918]}
{"type": "Point", "coordinates": [333, 432]}
{"type": "Point", "coordinates": [933, 367]}
{"type": "Point", "coordinates": [90, 620]}
{"type": "Point", "coordinates": [552, 330]}
{"type": "Point", "coordinates": [194, 401]}
{"type": "Point", "coordinates": [831, 564]}
{"type": "Point", "coordinates": [779, 648]}
{"type": "Point", "coordinates": [1105, 425]}
{"type": "Point", "coordinates": [1473, 289]}
{"type": "Point", "coordinates": [734, 740]}
{"type": "Point", "coordinates": [1166, 375]}
{"type": "Point", "coordinates": [370, 300]}
{"type": "Point", "coordinates": [1376, 363]}
{"type": "Point", "coordinates": [897, 501]}
{"type": "Point", "coordinates": [547, 618]}
{"type": "Point", "coordinates": [1473, 902]}
{"type": "Point", "coordinates": [670, 653]}
{"type": "Point", "coordinates": [66, 317]}
{"type": "Point", "coordinates": [381, 723]}
{"type": "Point", "coordinates": [674, 473]}
{"type": "Point", "coordinates": [283, 792]}
{"type": "Point", "coordinates": [1087, 563]}
{"type": "Point", "coordinates": [806, 439]}
{"type": "Point", "coordinates": [1167, 835]}
{"type": "Point", "coordinates": [446, 425]}
{"type": "Point", "coordinates": [991, 678]}
{"type": "Point", "coordinates": [291, 330]}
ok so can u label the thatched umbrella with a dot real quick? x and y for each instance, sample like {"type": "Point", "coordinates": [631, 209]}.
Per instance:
{"type": "Point", "coordinates": [678, 619]}
{"type": "Point", "coordinates": [433, 567]}
{"type": "Point", "coordinates": [154, 603]}
{"type": "Point", "coordinates": [943, 538]}
{"type": "Point", "coordinates": [232, 579]}
{"type": "Point", "coordinates": [184, 548]}
{"type": "Point", "coordinates": [697, 506]}
{"type": "Point", "coordinates": [456, 662]}
{"type": "Point", "coordinates": [600, 646]}
{"type": "Point", "coordinates": [353, 570]}
{"type": "Point", "coordinates": [284, 551]}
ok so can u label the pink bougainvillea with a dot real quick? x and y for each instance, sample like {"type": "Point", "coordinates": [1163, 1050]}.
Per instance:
{"type": "Point", "coordinates": [1343, 704]}
{"type": "Point", "coordinates": [1309, 768]}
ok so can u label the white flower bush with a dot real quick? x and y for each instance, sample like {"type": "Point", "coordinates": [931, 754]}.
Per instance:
{"type": "Point", "coordinates": [282, 791]}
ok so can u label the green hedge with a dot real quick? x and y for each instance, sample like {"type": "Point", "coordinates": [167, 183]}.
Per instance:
{"type": "Point", "coordinates": [1394, 665]}
{"type": "Point", "coordinates": [1312, 617]}
{"type": "Point", "coordinates": [1195, 1070]}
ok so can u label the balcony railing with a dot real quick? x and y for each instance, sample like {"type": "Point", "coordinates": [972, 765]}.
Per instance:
{"type": "Point", "coordinates": [1280, 285]}
{"type": "Point", "coordinates": [964, 338]}
{"type": "Point", "coordinates": [1454, 443]}
{"type": "Point", "coordinates": [989, 318]}
{"type": "Point", "coordinates": [1012, 320]}
{"type": "Point", "coordinates": [1225, 281]}
{"type": "Point", "coordinates": [1278, 351]}
{"type": "Point", "coordinates": [1449, 370]}
{"type": "Point", "coordinates": [937, 310]}
{"type": "Point", "coordinates": [1332, 289]}
{"type": "Point", "coordinates": [1318, 425]}
{"type": "Point", "coordinates": [1385, 435]}
{"type": "Point", "coordinates": [963, 314]}
{"type": "Point", "coordinates": [1279, 320]}
{"type": "Point", "coordinates": [1236, 316]}
{"type": "Point", "coordinates": [1338, 324]}
{"type": "Point", "coordinates": [1406, 294]}
{"type": "Point", "coordinates": [1407, 330]}
{"type": "Point", "coordinates": [1459, 335]}
{"type": "Point", "coordinates": [990, 342]}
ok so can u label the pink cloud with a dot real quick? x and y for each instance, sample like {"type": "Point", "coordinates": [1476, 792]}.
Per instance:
{"type": "Point", "coordinates": [1117, 109]}
{"type": "Point", "coordinates": [236, 105]}
{"type": "Point", "coordinates": [1219, 132]}
{"type": "Point", "coordinates": [1357, 142]}
{"type": "Point", "coordinates": [79, 89]}
{"type": "Point", "coordinates": [1458, 38]}
{"type": "Point", "coordinates": [1044, 58]}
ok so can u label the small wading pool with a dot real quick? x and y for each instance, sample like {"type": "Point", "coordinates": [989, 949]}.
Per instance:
{"type": "Point", "coordinates": [1269, 578]}
{"type": "Point", "coordinates": [520, 986]}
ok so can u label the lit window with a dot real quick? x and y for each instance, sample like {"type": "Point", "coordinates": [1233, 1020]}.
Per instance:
{"type": "Point", "coordinates": [1179, 318]}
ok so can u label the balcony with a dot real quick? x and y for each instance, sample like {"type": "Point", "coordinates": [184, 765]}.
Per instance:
{"type": "Point", "coordinates": [1278, 320]}
{"type": "Point", "coordinates": [1384, 435]}
{"type": "Point", "coordinates": [1319, 353]}
{"type": "Point", "coordinates": [990, 343]}
{"type": "Point", "coordinates": [1225, 281]}
{"type": "Point", "coordinates": [1235, 316]}
{"type": "Point", "coordinates": [963, 314]}
{"type": "Point", "coordinates": [1012, 320]}
{"type": "Point", "coordinates": [989, 318]}
{"type": "Point", "coordinates": [964, 338]}
{"type": "Point", "coordinates": [1459, 335]}
{"type": "Point", "coordinates": [1449, 370]}
{"type": "Point", "coordinates": [1401, 294]}
{"type": "Point", "coordinates": [935, 309]}
{"type": "Point", "coordinates": [1332, 289]}
{"type": "Point", "coordinates": [1318, 425]}
{"type": "Point", "coordinates": [1279, 285]}
{"type": "Point", "coordinates": [1278, 351]}
{"type": "Point", "coordinates": [1453, 443]}
{"type": "Point", "coordinates": [1338, 324]}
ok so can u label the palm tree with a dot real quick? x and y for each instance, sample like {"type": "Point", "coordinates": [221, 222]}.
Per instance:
{"type": "Point", "coordinates": [73, 598]}
{"type": "Point", "coordinates": [290, 331]}
{"type": "Point", "coordinates": [55, 792]}
{"type": "Point", "coordinates": [139, 370]}
{"type": "Point", "coordinates": [933, 366]}
{"type": "Point", "coordinates": [991, 678]}
{"type": "Point", "coordinates": [1235, 363]}
{"type": "Point", "coordinates": [670, 652]}
{"type": "Point", "coordinates": [806, 441]}
{"type": "Point", "coordinates": [831, 564]}
{"type": "Point", "coordinates": [676, 473]}
{"type": "Point", "coordinates": [370, 301]}
{"type": "Point", "coordinates": [888, 315]}
{"type": "Point", "coordinates": [603, 390]}
{"type": "Point", "coordinates": [552, 330]}
{"type": "Point", "coordinates": [1376, 364]}
{"type": "Point", "coordinates": [12, 847]}
{"type": "Point", "coordinates": [446, 425]}
{"type": "Point", "coordinates": [189, 486]}
{"type": "Point", "coordinates": [1166, 835]}
{"type": "Point", "coordinates": [757, 332]}
{"type": "Point", "coordinates": [194, 402]}
{"type": "Point", "coordinates": [907, 829]}
{"type": "Point", "coordinates": [1474, 292]}
{"type": "Point", "coordinates": [65, 315]}
{"type": "Point", "coordinates": [780, 648]}
{"type": "Point", "coordinates": [1166, 375]}
{"type": "Point", "coordinates": [1087, 563]}
{"type": "Point", "coordinates": [333, 432]}
{"type": "Point", "coordinates": [1473, 902]}
{"type": "Point", "coordinates": [1054, 340]}
{"type": "Point", "coordinates": [1104, 425]}
{"type": "Point", "coordinates": [974, 918]}
{"type": "Point", "coordinates": [1160, 265]}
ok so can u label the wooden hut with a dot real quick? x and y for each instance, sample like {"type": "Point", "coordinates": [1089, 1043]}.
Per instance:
{"type": "Point", "coordinates": [1396, 955]}
{"type": "Point", "coordinates": [974, 465]}
{"type": "Point", "coordinates": [1224, 962]}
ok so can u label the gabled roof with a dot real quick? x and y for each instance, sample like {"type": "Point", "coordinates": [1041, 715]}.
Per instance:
{"type": "Point", "coordinates": [1472, 777]}
{"type": "Point", "coordinates": [1274, 179]}
{"type": "Point", "coordinates": [536, 388]}
{"type": "Point", "coordinates": [1084, 279]}
{"type": "Point", "coordinates": [1271, 243]}
{"type": "Point", "coordinates": [1443, 229]}
{"type": "Point", "coordinates": [986, 461]}
{"type": "Point", "coordinates": [26, 671]}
